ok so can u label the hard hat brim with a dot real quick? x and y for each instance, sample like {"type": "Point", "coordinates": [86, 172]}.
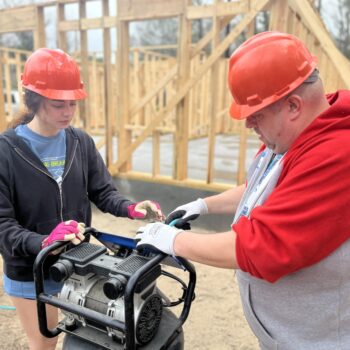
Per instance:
{"type": "Point", "coordinates": [78, 94]}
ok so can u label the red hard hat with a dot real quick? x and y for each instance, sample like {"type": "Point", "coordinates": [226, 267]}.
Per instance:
{"type": "Point", "coordinates": [53, 74]}
{"type": "Point", "coordinates": [265, 68]}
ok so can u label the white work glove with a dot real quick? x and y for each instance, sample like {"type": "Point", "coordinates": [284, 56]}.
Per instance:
{"type": "Point", "coordinates": [157, 236]}
{"type": "Point", "coordinates": [187, 212]}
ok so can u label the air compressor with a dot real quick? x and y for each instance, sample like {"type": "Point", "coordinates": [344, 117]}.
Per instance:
{"type": "Point", "coordinates": [110, 298]}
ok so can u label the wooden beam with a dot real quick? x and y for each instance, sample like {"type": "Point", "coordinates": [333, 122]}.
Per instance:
{"type": "Point", "coordinates": [314, 24]}
{"type": "Point", "coordinates": [138, 89]}
{"type": "Point", "coordinates": [3, 122]}
{"type": "Point", "coordinates": [257, 6]}
{"type": "Point", "coordinates": [180, 152]}
{"type": "Point", "coordinates": [8, 86]}
{"type": "Point", "coordinates": [97, 23]}
{"type": "Point", "coordinates": [108, 88]}
{"type": "Point", "coordinates": [167, 180]}
{"type": "Point", "coordinates": [61, 36]}
{"type": "Point", "coordinates": [213, 97]}
{"type": "Point", "coordinates": [67, 26]}
{"type": "Point", "coordinates": [155, 153]}
{"type": "Point", "coordinates": [173, 71]}
{"type": "Point", "coordinates": [84, 56]}
{"type": "Point", "coordinates": [67, 1]}
{"type": "Point", "coordinates": [243, 132]}
{"type": "Point", "coordinates": [18, 19]}
{"type": "Point", "coordinates": [39, 32]}
{"type": "Point", "coordinates": [148, 9]}
{"type": "Point", "coordinates": [154, 91]}
{"type": "Point", "coordinates": [221, 9]}
{"type": "Point", "coordinates": [279, 15]}
{"type": "Point", "coordinates": [208, 37]}
{"type": "Point", "coordinates": [124, 136]}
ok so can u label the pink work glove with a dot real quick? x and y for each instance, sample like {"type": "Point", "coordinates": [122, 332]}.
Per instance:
{"type": "Point", "coordinates": [146, 210]}
{"type": "Point", "coordinates": [65, 231]}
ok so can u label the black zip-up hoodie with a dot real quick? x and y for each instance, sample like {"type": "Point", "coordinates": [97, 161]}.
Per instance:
{"type": "Point", "coordinates": [32, 203]}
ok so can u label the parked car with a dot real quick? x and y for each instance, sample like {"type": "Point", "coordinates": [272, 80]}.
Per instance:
{"type": "Point", "coordinates": [15, 102]}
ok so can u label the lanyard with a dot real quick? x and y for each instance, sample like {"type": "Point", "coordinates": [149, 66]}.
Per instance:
{"type": "Point", "coordinates": [261, 183]}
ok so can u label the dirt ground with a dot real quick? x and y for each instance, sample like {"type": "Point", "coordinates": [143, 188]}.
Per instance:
{"type": "Point", "coordinates": [215, 322]}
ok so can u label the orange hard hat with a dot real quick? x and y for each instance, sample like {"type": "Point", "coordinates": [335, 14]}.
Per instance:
{"type": "Point", "coordinates": [53, 74]}
{"type": "Point", "coordinates": [265, 68]}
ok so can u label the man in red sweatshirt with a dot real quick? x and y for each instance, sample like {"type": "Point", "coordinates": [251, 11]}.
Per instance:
{"type": "Point", "coordinates": [289, 237]}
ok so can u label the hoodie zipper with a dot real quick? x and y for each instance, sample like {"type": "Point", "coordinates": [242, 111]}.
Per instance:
{"type": "Point", "coordinates": [59, 185]}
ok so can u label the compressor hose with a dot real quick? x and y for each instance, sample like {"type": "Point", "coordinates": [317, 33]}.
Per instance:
{"type": "Point", "coordinates": [184, 289]}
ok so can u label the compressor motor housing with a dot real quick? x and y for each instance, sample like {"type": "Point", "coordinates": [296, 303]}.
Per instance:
{"type": "Point", "coordinates": [97, 281]}
{"type": "Point", "coordinates": [110, 299]}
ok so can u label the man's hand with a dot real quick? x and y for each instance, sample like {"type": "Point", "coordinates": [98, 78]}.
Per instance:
{"type": "Point", "coordinates": [157, 236]}
{"type": "Point", "coordinates": [146, 210]}
{"type": "Point", "coordinates": [65, 231]}
{"type": "Point", "coordinates": [187, 212]}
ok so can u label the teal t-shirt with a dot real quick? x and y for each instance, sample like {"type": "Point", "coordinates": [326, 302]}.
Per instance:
{"type": "Point", "coordinates": [50, 150]}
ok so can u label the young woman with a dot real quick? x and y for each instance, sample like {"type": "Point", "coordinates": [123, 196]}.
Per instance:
{"type": "Point", "coordinates": [50, 172]}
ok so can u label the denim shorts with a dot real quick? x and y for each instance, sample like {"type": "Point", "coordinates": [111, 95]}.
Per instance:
{"type": "Point", "coordinates": [26, 290]}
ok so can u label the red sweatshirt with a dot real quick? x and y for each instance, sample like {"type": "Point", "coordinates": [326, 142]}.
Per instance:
{"type": "Point", "coordinates": [307, 216]}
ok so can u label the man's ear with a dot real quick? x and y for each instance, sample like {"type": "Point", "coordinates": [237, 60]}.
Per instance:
{"type": "Point", "coordinates": [295, 104]}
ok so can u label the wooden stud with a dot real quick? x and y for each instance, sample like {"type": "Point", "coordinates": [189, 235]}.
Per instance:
{"type": "Point", "coordinates": [61, 37]}
{"type": "Point", "coordinates": [148, 9]}
{"type": "Point", "coordinates": [18, 19]}
{"type": "Point", "coordinates": [180, 151]}
{"type": "Point", "coordinates": [213, 97]}
{"type": "Point", "coordinates": [257, 6]}
{"type": "Point", "coordinates": [108, 87]}
{"type": "Point", "coordinates": [156, 153]}
{"type": "Point", "coordinates": [241, 173]}
{"type": "Point", "coordinates": [124, 136]}
{"type": "Point", "coordinates": [137, 81]}
{"type": "Point", "coordinates": [94, 93]}
{"type": "Point", "coordinates": [314, 24]}
{"type": "Point", "coordinates": [84, 56]}
{"type": "Point", "coordinates": [279, 15]}
{"type": "Point", "coordinates": [227, 9]}
{"type": "Point", "coordinates": [149, 115]}
{"type": "Point", "coordinates": [3, 121]}
{"type": "Point", "coordinates": [39, 32]}
{"type": "Point", "coordinates": [8, 87]}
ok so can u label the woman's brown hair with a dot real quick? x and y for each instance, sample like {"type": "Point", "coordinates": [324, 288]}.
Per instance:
{"type": "Point", "coordinates": [32, 102]}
